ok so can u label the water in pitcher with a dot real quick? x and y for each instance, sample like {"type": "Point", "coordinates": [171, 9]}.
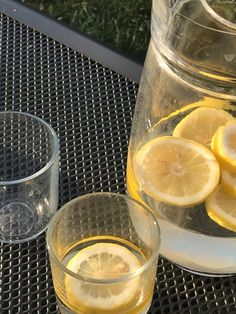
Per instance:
{"type": "Point", "coordinates": [182, 152]}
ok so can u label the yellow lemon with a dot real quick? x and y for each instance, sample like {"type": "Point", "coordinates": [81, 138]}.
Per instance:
{"type": "Point", "coordinates": [224, 146]}
{"type": "Point", "coordinates": [102, 261]}
{"type": "Point", "coordinates": [228, 181]}
{"type": "Point", "coordinates": [176, 171]}
{"type": "Point", "coordinates": [221, 208]}
{"type": "Point", "coordinates": [201, 124]}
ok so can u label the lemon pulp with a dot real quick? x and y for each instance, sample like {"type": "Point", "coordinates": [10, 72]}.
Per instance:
{"type": "Point", "coordinates": [224, 145]}
{"type": "Point", "coordinates": [102, 261]}
{"type": "Point", "coordinates": [221, 208]}
{"type": "Point", "coordinates": [201, 124]}
{"type": "Point", "coordinates": [176, 171]}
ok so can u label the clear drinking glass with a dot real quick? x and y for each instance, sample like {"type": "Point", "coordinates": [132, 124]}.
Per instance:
{"type": "Point", "coordinates": [103, 250]}
{"type": "Point", "coordinates": [28, 176]}
{"type": "Point", "coordinates": [182, 152]}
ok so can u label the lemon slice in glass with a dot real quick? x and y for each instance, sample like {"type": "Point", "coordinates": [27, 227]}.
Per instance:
{"type": "Point", "coordinates": [224, 146]}
{"type": "Point", "coordinates": [221, 208]}
{"type": "Point", "coordinates": [228, 181]}
{"type": "Point", "coordinates": [201, 124]}
{"type": "Point", "coordinates": [176, 171]}
{"type": "Point", "coordinates": [102, 261]}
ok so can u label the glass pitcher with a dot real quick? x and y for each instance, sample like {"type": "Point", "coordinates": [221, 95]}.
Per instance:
{"type": "Point", "coordinates": [182, 150]}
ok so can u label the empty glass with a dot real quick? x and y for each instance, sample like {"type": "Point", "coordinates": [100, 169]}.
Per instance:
{"type": "Point", "coordinates": [29, 153]}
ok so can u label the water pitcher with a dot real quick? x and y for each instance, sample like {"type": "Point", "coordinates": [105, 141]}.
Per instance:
{"type": "Point", "coordinates": [182, 150]}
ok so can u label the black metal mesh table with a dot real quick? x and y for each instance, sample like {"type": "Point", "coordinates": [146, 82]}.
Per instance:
{"type": "Point", "coordinates": [90, 107]}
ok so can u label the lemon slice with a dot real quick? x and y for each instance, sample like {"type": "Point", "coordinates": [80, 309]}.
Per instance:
{"type": "Point", "coordinates": [102, 261]}
{"type": "Point", "coordinates": [224, 146]}
{"type": "Point", "coordinates": [201, 124]}
{"type": "Point", "coordinates": [228, 181]}
{"type": "Point", "coordinates": [176, 171]}
{"type": "Point", "coordinates": [221, 208]}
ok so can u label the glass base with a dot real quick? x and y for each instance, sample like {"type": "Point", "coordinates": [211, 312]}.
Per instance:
{"type": "Point", "coordinates": [17, 221]}
{"type": "Point", "coordinates": [200, 273]}
{"type": "Point", "coordinates": [20, 223]}
{"type": "Point", "coordinates": [204, 273]}
{"type": "Point", "coordinates": [198, 253]}
{"type": "Point", "coordinates": [65, 310]}
{"type": "Point", "coordinates": [26, 239]}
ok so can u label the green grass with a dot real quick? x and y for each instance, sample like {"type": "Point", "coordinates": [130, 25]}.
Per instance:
{"type": "Point", "coordinates": [121, 24]}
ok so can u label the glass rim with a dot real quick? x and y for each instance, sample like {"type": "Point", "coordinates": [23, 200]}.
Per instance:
{"type": "Point", "coordinates": [216, 16]}
{"type": "Point", "coordinates": [219, 18]}
{"type": "Point", "coordinates": [124, 278]}
{"type": "Point", "coordinates": [53, 157]}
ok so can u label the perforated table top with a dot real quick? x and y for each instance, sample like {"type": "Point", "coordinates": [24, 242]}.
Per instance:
{"type": "Point", "coordinates": [90, 107]}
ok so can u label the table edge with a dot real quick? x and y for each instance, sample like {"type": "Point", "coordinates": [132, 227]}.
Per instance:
{"type": "Point", "coordinates": [75, 40]}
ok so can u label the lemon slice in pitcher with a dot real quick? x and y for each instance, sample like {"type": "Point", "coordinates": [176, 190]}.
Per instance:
{"type": "Point", "coordinates": [221, 208]}
{"type": "Point", "coordinates": [201, 124]}
{"type": "Point", "coordinates": [176, 171]}
{"type": "Point", "coordinates": [224, 145]}
{"type": "Point", "coordinates": [228, 181]}
{"type": "Point", "coordinates": [102, 261]}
